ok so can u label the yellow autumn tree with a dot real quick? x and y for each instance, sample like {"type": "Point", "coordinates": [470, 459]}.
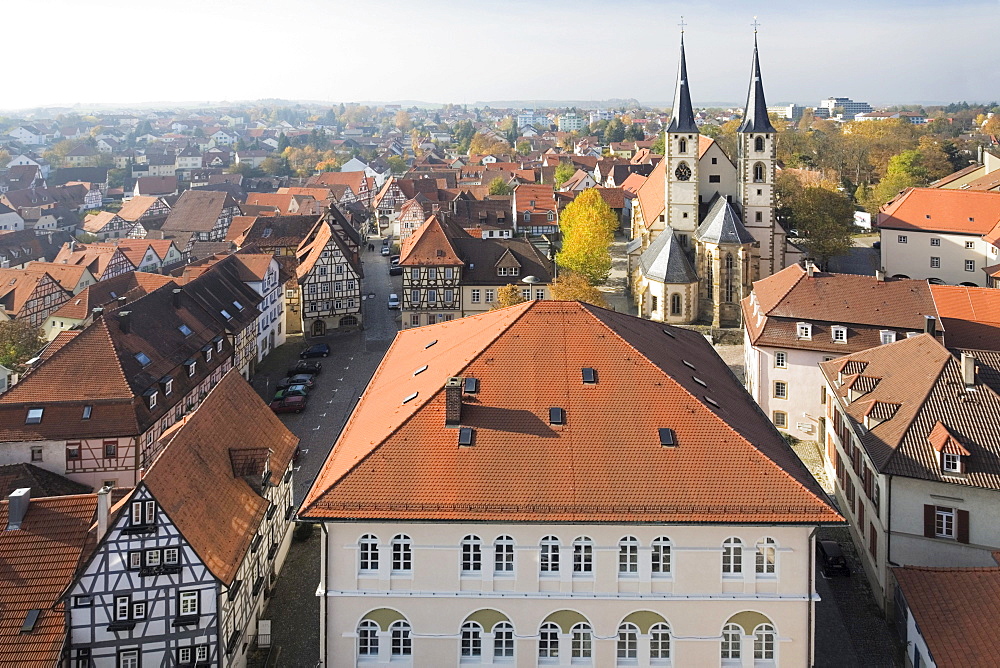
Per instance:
{"type": "Point", "coordinates": [508, 295]}
{"type": "Point", "coordinates": [571, 286]}
{"type": "Point", "coordinates": [588, 227]}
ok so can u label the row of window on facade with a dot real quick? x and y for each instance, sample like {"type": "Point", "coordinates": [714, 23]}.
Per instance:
{"type": "Point", "coordinates": [551, 642]}
{"type": "Point", "coordinates": [130, 658]}
{"type": "Point", "coordinates": [336, 304]}
{"type": "Point", "coordinates": [338, 286]}
{"type": "Point", "coordinates": [838, 334]}
{"type": "Point", "coordinates": [448, 273]}
{"type": "Point", "coordinates": [472, 550]}
{"type": "Point", "coordinates": [936, 241]}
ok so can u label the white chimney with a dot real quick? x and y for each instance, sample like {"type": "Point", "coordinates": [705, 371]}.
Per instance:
{"type": "Point", "coordinates": [968, 369]}
{"type": "Point", "coordinates": [103, 510]}
{"type": "Point", "coordinates": [810, 268]}
{"type": "Point", "coordinates": [17, 507]}
{"type": "Point", "coordinates": [880, 275]}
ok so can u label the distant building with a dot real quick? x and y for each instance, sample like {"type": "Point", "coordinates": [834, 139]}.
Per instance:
{"type": "Point", "coordinates": [850, 107]}
{"type": "Point", "coordinates": [791, 112]}
{"type": "Point", "coordinates": [571, 122]}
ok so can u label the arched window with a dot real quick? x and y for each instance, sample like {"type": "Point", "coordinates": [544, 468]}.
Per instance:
{"type": "Point", "coordinates": [682, 145]}
{"type": "Point", "coordinates": [472, 554]}
{"type": "Point", "coordinates": [683, 172]}
{"type": "Point", "coordinates": [367, 638]}
{"type": "Point", "coordinates": [758, 173]}
{"type": "Point", "coordinates": [472, 639]}
{"type": "Point", "coordinates": [758, 144]}
{"type": "Point", "coordinates": [763, 642]}
{"type": "Point", "coordinates": [661, 556]}
{"type": "Point", "coordinates": [402, 553]}
{"type": "Point", "coordinates": [731, 634]}
{"type": "Point", "coordinates": [548, 641]}
{"type": "Point", "coordinates": [583, 555]}
{"type": "Point", "coordinates": [628, 555]}
{"type": "Point", "coordinates": [730, 282]}
{"type": "Point", "coordinates": [503, 639]}
{"type": "Point", "coordinates": [675, 304]}
{"type": "Point", "coordinates": [710, 273]}
{"type": "Point", "coordinates": [767, 554]}
{"type": "Point", "coordinates": [582, 641]}
{"type": "Point", "coordinates": [402, 644]}
{"type": "Point", "coordinates": [628, 642]}
{"type": "Point", "coordinates": [549, 561]}
{"type": "Point", "coordinates": [368, 553]}
{"type": "Point", "coordinates": [659, 641]}
{"type": "Point", "coordinates": [732, 557]}
{"type": "Point", "coordinates": [503, 555]}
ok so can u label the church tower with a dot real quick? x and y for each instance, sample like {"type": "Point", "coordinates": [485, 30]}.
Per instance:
{"type": "Point", "coordinates": [681, 147]}
{"type": "Point", "coordinates": [756, 139]}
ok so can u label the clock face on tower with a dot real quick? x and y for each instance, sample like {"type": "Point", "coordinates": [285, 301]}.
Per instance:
{"type": "Point", "coordinates": [683, 172]}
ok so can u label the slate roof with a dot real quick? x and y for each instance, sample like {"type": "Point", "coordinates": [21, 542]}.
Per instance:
{"type": "Point", "coordinates": [483, 256]}
{"type": "Point", "coordinates": [396, 459]}
{"type": "Point", "coordinates": [755, 118]}
{"type": "Point", "coordinates": [41, 481]}
{"type": "Point", "coordinates": [232, 421]}
{"type": "Point", "coordinates": [723, 225]}
{"type": "Point", "coordinates": [666, 261]}
{"type": "Point", "coordinates": [39, 562]}
{"type": "Point", "coordinates": [954, 609]}
{"type": "Point", "coordinates": [682, 112]}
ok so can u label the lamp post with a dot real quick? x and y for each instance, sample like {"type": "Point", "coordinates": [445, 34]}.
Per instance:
{"type": "Point", "coordinates": [531, 280]}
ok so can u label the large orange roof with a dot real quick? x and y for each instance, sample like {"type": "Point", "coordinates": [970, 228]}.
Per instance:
{"type": "Point", "coordinates": [429, 245]}
{"type": "Point", "coordinates": [942, 210]}
{"type": "Point", "coordinates": [652, 195]}
{"type": "Point", "coordinates": [971, 316]}
{"type": "Point", "coordinates": [396, 459]}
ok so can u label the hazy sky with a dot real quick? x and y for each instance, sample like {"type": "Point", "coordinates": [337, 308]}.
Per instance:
{"type": "Point", "coordinates": [463, 51]}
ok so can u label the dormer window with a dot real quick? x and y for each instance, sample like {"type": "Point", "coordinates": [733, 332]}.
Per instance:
{"type": "Point", "coordinates": [803, 330]}
{"type": "Point", "coordinates": [151, 398]}
{"type": "Point", "coordinates": [839, 334]}
{"type": "Point", "coordinates": [191, 365]}
{"type": "Point", "coordinates": [168, 386]}
{"type": "Point", "coordinates": [887, 336]}
{"type": "Point", "coordinates": [527, 216]}
{"type": "Point", "coordinates": [550, 216]}
{"type": "Point", "coordinates": [951, 462]}
{"type": "Point", "coordinates": [218, 345]}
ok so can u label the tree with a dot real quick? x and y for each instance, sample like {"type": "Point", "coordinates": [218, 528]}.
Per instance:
{"type": "Point", "coordinates": [659, 146]}
{"type": "Point", "coordinates": [571, 286]}
{"type": "Point", "coordinates": [19, 342]}
{"type": "Point", "coordinates": [588, 227]}
{"type": "Point", "coordinates": [397, 164]}
{"type": "Point", "coordinates": [283, 142]}
{"type": "Point", "coordinates": [563, 171]}
{"type": "Point", "coordinates": [825, 220]}
{"type": "Point", "coordinates": [614, 131]}
{"type": "Point", "coordinates": [508, 295]}
{"type": "Point", "coordinates": [499, 187]}
{"type": "Point", "coordinates": [403, 121]}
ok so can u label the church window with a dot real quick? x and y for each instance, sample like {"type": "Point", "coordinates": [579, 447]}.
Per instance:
{"type": "Point", "coordinates": [683, 172]}
{"type": "Point", "coordinates": [758, 144]}
{"type": "Point", "coordinates": [675, 304]}
{"type": "Point", "coordinates": [714, 178]}
{"type": "Point", "coordinates": [730, 284]}
{"type": "Point", "coordinates": [682, 145]}
{"type": "Point", "coordinates": [654, 305]}
{"type": "Point", "coordinates": [710, 275]}
{"type": "Point", "coordinates": [758, 216]}
{"type": "Point", "coordinates": [758, 173]}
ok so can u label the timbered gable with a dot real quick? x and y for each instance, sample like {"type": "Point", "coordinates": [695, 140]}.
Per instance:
{"type": "Point", "coordinates": [329, 277]}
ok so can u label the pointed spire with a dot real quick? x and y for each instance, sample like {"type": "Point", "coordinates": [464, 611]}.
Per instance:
{"type": "Point", "coordinates": [755, 117]}
{"type": "Point", "coordinates": [682, 114]}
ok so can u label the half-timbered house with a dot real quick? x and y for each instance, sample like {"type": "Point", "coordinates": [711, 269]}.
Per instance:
{"type": "Point", "coordinates": [104, 261]}
{"type": "Point", "coordinates": [329, 276]}
{"type": "Point", "coordinates": [179, 576]}
{"type": "Point", "coordinates": [200, 215]}
{"type": "Point", "coordinates": [30, 295]}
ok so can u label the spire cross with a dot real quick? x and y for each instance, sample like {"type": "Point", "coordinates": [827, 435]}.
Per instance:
{"type": "Point", "coordinates": [754, 24]}
{"type": "Point", "coordinates": [682, 25]}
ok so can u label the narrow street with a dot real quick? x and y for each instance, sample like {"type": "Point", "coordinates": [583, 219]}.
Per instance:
{"type": "Point", "coordinates": [354, 356]}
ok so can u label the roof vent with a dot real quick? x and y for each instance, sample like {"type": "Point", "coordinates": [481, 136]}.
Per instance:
{"type": "Point", "coordinates": [557, 415]}
{"type": "Point", "coordinates": [471, 385]}
{"type": "Point", "coordinates": [713, 402]}
{"type": "Point", "coordinates": [699, 381]}
{"type": "Point", "coordinates": [667, 437]}
{"type": "Point", "coordinates": [669, 333]}
{"type": "Point", "coordinates": [430, 344]}
{"type": "Point", "coordinates": [410, 398]}
{"type": "Point", "coordinates": [589, 376]}
{"type": "Point", "coordinates": [420, 370]}
{"type": "Point", "coordinates": [465, 436]}
{"type": "Point", "coordinates": [688, 364]}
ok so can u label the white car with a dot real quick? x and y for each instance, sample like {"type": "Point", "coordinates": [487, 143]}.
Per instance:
{"type": "Point", "coordinates": [393, 300]}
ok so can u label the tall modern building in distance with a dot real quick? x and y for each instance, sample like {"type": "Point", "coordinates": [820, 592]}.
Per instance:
{"type": "Point", "coordinates": [850, 107]}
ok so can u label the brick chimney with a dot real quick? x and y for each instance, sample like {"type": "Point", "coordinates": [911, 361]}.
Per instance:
{"type": "Point", "coordinates": [17, 507]}
{"type": "Point", "coordinates": [453, 401]}
{"type": "Point", "coordinates": [930, 325]}
{"type": "Point", "coordinates": [125, 321]}
{"type": "Point", "coordinates": [175, 296]}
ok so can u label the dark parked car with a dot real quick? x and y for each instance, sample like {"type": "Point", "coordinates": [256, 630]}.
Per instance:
{"type": "Point", "coordinates": [831, 558]}
{"type": "Point", "coordinates": [318, 350]}
{"type": "Point", "coordinates": [292, 391]}
{"type": "Point", "coordinates": [306, 366]}
{"type": "Point", "coordinates": [298, 379]}
{"type": "Point", "coordinates": [877, 245]}
{"type": "Point", "coordinates": [289, 405]}
{"type": "Point", "coordinates": [393, 260]}
{"type": "Point", "coordinates": [395, 270]}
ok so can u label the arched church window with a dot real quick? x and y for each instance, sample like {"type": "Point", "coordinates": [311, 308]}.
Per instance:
{"type": "Point", "coordinates": [730, 283]}
{"type": "Point", "coordinates": [683, 172]}
{"type": "Point", "coordinates": [675, 304]}
{"type": "Point", "coordinates": [758, 144]}
{"type": "Point", "coordinates": [758, 173]}
{"type": "Point", "coordinates": [682, 145]}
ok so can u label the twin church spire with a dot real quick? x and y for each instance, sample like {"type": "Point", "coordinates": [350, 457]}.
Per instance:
{"type": "Point", "coordinates": [755, 117]}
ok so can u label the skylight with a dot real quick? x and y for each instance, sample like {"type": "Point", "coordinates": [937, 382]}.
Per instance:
{"type": "Point", "coordinates": [30, 619]}
{"type": "Point", "coordinates": [143, 359]}
{"type": "Point", "coordinates": [557, 415]}
{"type": "Point", "coordinates": [667, 438]}
{"type": "Point", "coordinates": [34, 416]}
{"type": "Point", "coordinates": [185, 330]}
{"type": "Point", "coordinates": [239, 306]}
{"type": "Point", "coordinates": [87, 410]}
{"type": "Point", "coordinates": [225, 314]}
{"type": "Point", "coordinates": [471, 385]}
{"type": "Point", "coordinates": [465, 436]}
{"type": "Point", "coordinates": [589, 375]}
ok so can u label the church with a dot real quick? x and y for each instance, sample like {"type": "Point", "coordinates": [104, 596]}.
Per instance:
{"type": "Point", "coordinates": [703, 227]}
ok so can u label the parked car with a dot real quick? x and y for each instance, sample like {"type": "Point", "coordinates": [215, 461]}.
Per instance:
{"type": "Point", "coordinates": [312, 367]}
{"type": "Point", "coordinates": [395, 270]}
{"type": "Point", "coordinates": [291, 391]}
{"type": "Point", "coordinates": [298, 379]}
{"type": "Point", "coordinates": [877, 245]}
{"type": "Point", "coordinates": [393, 300]}
{"type": "Point", "coordinates": [831, 558]}
{"type": "Point", "coordinates": [294, 404]}
{"type": "Point", "coordinates": [385, 242]}
{"type": "Point", "coordinates": [394, 260]}
{"type": "Point", "coordinates": [386, 251]}
{"type": "Point", "coordinates": [318, 350]}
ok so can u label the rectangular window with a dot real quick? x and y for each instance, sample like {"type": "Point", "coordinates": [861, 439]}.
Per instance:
{"type": "Point", "coordinates": [839, 334]}
{"type": "Point", "coordinates": [139, 610]}
{"type": "Point", "coordinates": [128, 658]}
{"type": "Point", "coordinates": [449, 295]}
{"type": "Point", "coordinates": [951, 463]}
{"type": "Point", "coordinates": [970, 245]}
{"type": "Point", "coordinates": [476, 294]}
{"type": "Point", "coordinates": [887, 336]}
{"type": "Point", "coordinates": [415, 297]}
{"type": "Point", "coordinates": [803, 330]}
{"type": "Point", "coordinates": [152, 557]}
{"type": "Point", "coordinates": [171, 556]}
{"type": "Point", "coordinates": [780, 419]}
{"type": "Point", "coordinates": [970, 265]}
{"type": "Point", "coordinates": [780, 389]}
{"type": "Point", "coordinates": [36, 454]}
{"type": "Point", "coordinates": [714, 178]}
{"type": "Point", "coordinates": [134, 560]}
{"type": "Point", "coordinates": [490, 296]}
{"type": "Point", "coordinates": [539, 294]}
{"type": "Point", "coordinates": [122, 605]}
{"type": "Point", "coordinates": [449, 273]}
{"type": "Point", "coordinates": [503, 555]}
{"type": "Point", "coordinates": [188, 603]}
{"type": "Point", "coordinates": [414, 320]}
{"type": "Point", "coordinates": [526, 293]}
{"type": "Point", "coordinates": [432, 274]}
{"type": "Point", "coordinates": [415, 274]}
{"type": "Point", "coordinates": [935, 242]}
{"type": "Point", "coordinates": [781, 360]}
{"type": "Point", "coordinates": [944, 522]}
{"type": "Point", "coordinates": [935, 262]}
{"type": "Point", "coordinates": [901, 238]}
{"type": "Point", "coordinates": [432, 295]}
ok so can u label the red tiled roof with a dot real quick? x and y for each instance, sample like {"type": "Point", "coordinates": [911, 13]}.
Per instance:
{"type": "Point", "coordinates": [134, 209]}
{"type": "Point", "coordinates": [970, 315]}
{"type": "Point", "coordinates": [954, 609]}
{"type": "Point", "coordinates": [942, 210]}
{"type": "Point", "coordinates": [429, 245]}
{"type": "Point", "coordinates": [39, 562]}
{"type": "Point", "coordinates": [395, 458]}
{"type": "Point", "coordinates": [651, 194]}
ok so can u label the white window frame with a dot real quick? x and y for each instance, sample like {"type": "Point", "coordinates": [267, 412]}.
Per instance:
{"type": "Point", "coordinates": [901, 238]}
{"type": "Point", "coordinates": [368, 553]}
{"type": "Point", "coordinates": [945, 522]}
{"type": "Point", "coordinates": [402, 554]}
{"type": "Point", "coordinates": [188, 603]}
{"type": "Point", "coordinates": [503, 556]}
{"type": "Point", "coordinates": [783, 392]}
{"type": "Point", "coordinates": [935, 262]}
{"type": "Point", "coordinates": [472, 555]}
{"type": "Point", "coordinates": [803, 330]}
{"type": "Point", "coordinates": [780, 359]}
{"type": "Point", "coordinates": [951, 462]}
{"type": "Point", "coordinates": [368, 632]}
{"type": "Point", "coordinates": [732, 558]}
{"type": "Point", "coordinates": [781, 423]}
{"type": "Point", "coordinates": [583, 557]}
{"type": "Point", "coordinates": [838, 334]}
{"type": "Point", "coordinates": [548, 555]}
{"type": "Point", "coordinates": [628, 557]}
{"type": "Point", "coordinates": [766, 559]}
{"type": "Point", "coordinates": [970, 265]}
{"type": "Point", "coordinates": [887, 336]}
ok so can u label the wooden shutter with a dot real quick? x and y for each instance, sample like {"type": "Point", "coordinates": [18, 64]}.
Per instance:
{"type": "Point", "coordinates": [928, 521]}
{"type": "Point", "coordinates": [962, 533]}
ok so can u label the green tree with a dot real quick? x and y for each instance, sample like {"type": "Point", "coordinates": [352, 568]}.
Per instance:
{"type": "Point", "coordinates": [571, 286]}
{"type": "Point", "coordinates": [588, 227]}
{"type": "Point", "coordinates": [564, 170]}
{"type": "Point", "coordinates": [499, 187]}
{"type": "Point", "coordinates": [825, 221]}
{"type": "Point", "coordinates": [19, 342]}
{"type": "Point", "coordinates": [614, 131]}
{"type": "Point", "coordinates": [397, 164]}
{"type": "Point", "coordinates": [508, 295]}
{"type": "Point", "coordinates": [283, 142]}
{"type": "Point", "coordinates": [660, 144]}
